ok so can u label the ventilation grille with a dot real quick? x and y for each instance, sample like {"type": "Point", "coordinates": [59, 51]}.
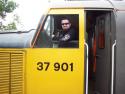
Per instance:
{"type": "Point", "coordinates": [11, 73]}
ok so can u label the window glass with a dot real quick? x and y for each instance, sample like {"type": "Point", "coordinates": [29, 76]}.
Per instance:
{"type": "Point", "coordinates": [59, 31]}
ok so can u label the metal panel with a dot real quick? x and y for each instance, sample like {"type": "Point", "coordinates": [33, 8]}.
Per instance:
{"type": "Point", "coordinates": [103, 55]}
{"type": "Point", "coordinates": [11, 72]}
{"type": "Point", "coordinates": [4, 73]}
{"type": "Point", "coordinates": [82, 4]}
{"type": "Point", "coordinates": [120, 53]}
{"type": "Point", "coordinates": [17, 76]}
{"type": "Point", "coordinates": [16, 39]}
{"type": "Point", "coordinates": [118, 4]}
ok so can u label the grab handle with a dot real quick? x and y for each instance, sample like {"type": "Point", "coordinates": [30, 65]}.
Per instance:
{"type": "Point", "coordinates": [113, 63]}
{"type": "Point", "coordinates": [87, 50]}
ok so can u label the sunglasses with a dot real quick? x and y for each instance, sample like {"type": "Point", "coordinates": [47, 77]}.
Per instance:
{"type": "Point", "coordinates": [65, 23]}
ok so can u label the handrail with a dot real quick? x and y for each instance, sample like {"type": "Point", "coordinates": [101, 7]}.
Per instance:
{"type": "Point", "coordinates": [86, 68]}
{"type": "Point", "coordinates": [113, 63]}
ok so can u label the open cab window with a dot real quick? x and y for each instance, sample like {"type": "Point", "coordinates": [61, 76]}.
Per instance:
{"type": "Point", "coordinates": [59, 31]}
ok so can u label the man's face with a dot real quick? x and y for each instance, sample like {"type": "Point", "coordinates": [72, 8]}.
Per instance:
{"type": "Point", "coordinates": [65, 24]}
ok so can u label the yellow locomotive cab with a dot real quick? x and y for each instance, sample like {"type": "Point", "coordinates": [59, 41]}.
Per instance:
{"type": "Point", "coordinates": [57, 70]}
{"type": "Point", "coordinates": [46, 61]}
{"type": "Point", "coordinates": [45, 68]}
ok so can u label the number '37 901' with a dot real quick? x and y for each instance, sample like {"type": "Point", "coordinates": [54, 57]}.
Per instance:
{"type": "Point", "coordinates": [44, 66]}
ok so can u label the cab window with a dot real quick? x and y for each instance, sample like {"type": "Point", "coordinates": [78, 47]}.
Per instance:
{"type": "Point", "coordinates": [59, 31]}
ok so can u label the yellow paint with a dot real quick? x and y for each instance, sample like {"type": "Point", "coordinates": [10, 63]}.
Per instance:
{"type": "Point", "coordinates": [12, 71]}
{"type": "Point", "coordinates": [51, 81]}
{"type": "Point", "coordinates": [57, 82]}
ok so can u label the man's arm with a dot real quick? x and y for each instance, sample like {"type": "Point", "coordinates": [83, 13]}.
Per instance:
{"type": "Point", "coordinates": [69, 36]}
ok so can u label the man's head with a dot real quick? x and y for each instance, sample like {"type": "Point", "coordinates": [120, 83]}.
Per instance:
{"type": "Point", "coordinates": [65, 24]}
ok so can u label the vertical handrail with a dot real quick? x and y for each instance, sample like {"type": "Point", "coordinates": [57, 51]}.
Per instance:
{"type": "Point", "coordinates": [113, 63]}
{"type": "Point", "coordinates": [86, 67]}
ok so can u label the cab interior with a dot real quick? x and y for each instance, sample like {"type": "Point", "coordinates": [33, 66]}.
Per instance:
{"type": "Point", "coordinates": [99, 35]}
{"type": "Point", "coordinates": [51, 27]}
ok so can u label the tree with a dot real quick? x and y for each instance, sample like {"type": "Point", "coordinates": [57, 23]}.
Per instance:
{"type": "Point", "coordinates": [7, 6]}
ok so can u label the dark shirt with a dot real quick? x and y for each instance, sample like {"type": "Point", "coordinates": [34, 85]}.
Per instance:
{"type": "Point", "coordinates": [66, 36]}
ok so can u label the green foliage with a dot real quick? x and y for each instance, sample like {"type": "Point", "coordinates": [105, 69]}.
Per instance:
{"type": "Point", "coordinates": [6, 6]}
{"type": "Point", "coordinates": [10, 6]}
{"type": "Point", "coordinates": [10, 26]}
{"type": "Point", "coordinates": [1, 7]}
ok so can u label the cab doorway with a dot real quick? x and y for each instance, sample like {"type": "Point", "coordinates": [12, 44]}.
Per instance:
{"type": "Point", "coordinates": [99, 39]}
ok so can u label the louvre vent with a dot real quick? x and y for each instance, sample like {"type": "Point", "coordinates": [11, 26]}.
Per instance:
{"type": "Point", "coordinates": [11, 73]}
{"type": "Point", "coordinates": [4, 73]}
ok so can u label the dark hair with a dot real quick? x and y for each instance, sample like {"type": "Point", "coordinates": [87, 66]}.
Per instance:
{"type": "Point", "coordinates": [66, 18]}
